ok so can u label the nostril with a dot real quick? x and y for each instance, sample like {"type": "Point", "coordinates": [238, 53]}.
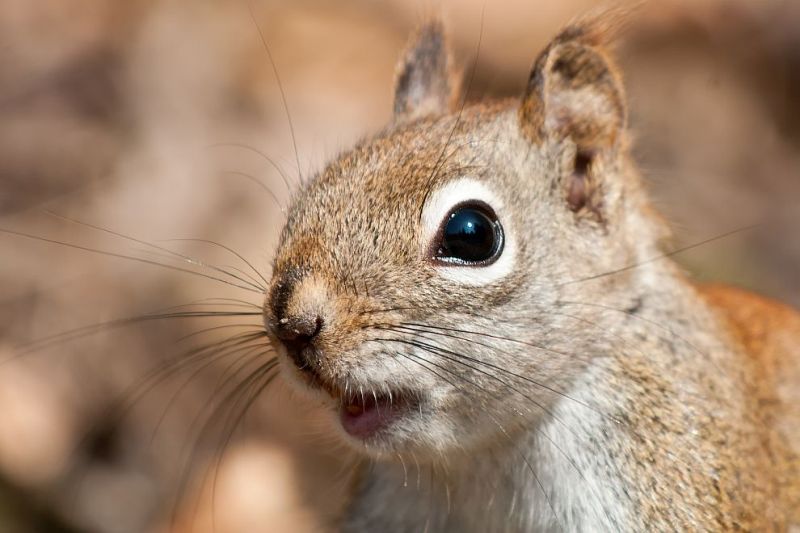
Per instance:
{"type": "Point", "coordinates": [307, 327]}
{"type": "Point", "coordinates": [298, 333]}
{"type": "Point", "coordinates": [318, 323]}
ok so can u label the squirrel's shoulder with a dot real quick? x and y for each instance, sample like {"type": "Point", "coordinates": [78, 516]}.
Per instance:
{"type": "Point", "coordinates": [766, 327]}
{"type": "Point", "coordinates": [769, 333]}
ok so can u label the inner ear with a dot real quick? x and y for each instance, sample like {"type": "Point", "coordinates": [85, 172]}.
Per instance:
{"type": "Point", "coordinates": [578, 186]}
{"type": "Point", "coordinates": [583, 190]}
{"type": "Point", "coordinates": [426, 82]}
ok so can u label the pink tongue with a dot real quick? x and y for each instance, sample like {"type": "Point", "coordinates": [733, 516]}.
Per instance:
{"type": "Point", "coordinates": [363, 421]}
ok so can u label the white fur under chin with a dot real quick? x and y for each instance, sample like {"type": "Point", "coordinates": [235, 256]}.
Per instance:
{"type": "Point", "coordinates": [499, 492]}
{"type": "Point", "coordinates": [439, 205]}
{"type": "Point", "coordinates": [579, 493]}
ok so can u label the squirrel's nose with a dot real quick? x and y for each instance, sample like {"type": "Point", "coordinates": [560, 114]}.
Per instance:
{"type": "Point", "coordinates": [295, 315]}
{"type": "Point", "coordinates": [299, 330]}
{"type": "Point", "coordinates": [297, 334]}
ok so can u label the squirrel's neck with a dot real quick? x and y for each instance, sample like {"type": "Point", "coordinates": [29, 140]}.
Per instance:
{"type": "Point", "coordinates": [646, 418]}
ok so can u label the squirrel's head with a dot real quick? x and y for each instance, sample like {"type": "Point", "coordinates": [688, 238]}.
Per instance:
{"type": "Point", "coordinates": [417, 283]}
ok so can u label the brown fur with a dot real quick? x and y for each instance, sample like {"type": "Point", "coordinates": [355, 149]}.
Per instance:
{"type": "Point", "coordinates": [426, 81]}
{"type": "Point", "coordinates": [769, 333]}
{"type": "Point", "coordinates": [687, 397]}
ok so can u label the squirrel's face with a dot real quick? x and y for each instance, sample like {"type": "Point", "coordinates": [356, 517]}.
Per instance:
{"type": "Point", "coordinates": [415, 283]}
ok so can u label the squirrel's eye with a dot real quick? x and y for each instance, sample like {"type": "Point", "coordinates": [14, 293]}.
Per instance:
{"type": "Point", "coordinates": [470, 235]}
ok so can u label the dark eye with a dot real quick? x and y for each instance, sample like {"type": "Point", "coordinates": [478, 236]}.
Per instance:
{"type": "Point", "coordinates": [470, 235]}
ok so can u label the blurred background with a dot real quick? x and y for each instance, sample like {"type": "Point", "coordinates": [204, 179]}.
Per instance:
{"type": "Point", "coordinates": [162, 120]}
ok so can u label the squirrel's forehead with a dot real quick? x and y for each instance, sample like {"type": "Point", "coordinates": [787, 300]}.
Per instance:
{"type": "Point", "coordinates": [383, 185]}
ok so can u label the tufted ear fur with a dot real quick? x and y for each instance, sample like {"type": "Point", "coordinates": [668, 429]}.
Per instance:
{"type": "Point", "coordinates": [426, 83]}
{"type": "Point", "coordinates": [575, 93]}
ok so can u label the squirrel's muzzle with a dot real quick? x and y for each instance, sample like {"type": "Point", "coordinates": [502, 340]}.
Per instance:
{"type": "Point", "coordinates": [295, 315]}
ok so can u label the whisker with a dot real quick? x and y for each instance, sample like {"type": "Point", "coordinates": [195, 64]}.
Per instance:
{"type": "Point", "coordinates": [530, 467]}
{"type": "Point", "coordinates": [454, 356]}
{"type": "Point", "coordinates": [267, 377]}
{"type": "Point", "coordinates": [429, 327]}
{"type": "Point", "coordinates": [457, 358]}
{"type": "Point", "coordinates": [203, 433]}
{"type": "Point", "coordinates": [661, 256]}
{"type": "Point", "coordinates": [70, 335]}
{"type": "Point", "coordinates": [242, 353]}
{"type": "Point", "coordinates": [442, 159]}
{"type": "Point", "coordinates": [165, 371]}
{"type": "Point", "coordinates": [107, 253]}
{"type": "Point", "coordinates": [186, 258]}
{"type": "Point", "coordinates": [280, 87]}
{"type": "Point", "coordinates": [255, 327]}
{"type": "Point", "coordinates": [260, 184]}
{"type": "Point", "coordinates": [225, 406]}
{"type": "Point", "coordinates": [227, 249]}
{"type": "Point", "coordinates": [154, 377]}
{"type": "Point", "coordinates": [236, 300]}
{"type": "Point", "coordinates": [508, 372]}
{"type": "Point", "coordinates": [249, 279]}
{"type": "Point", "coordinates": [261, 154]}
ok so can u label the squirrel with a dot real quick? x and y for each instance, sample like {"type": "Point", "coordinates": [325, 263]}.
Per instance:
{"type": "Point", "coordinates": [479, 298]}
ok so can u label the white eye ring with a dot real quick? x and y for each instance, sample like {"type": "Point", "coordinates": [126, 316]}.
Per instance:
{"type": "Point", "coordinates": [440, 203]}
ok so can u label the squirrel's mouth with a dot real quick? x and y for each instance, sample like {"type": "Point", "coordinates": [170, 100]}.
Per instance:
{"type": "Point", "coordinates": [364, 416]}
{"type": "Point", "coordinates": [363, 411]}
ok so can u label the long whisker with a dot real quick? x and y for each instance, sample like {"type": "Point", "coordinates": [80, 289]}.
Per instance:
{"type": "Point", "coordinates": [228, 249]}
{"type": "Point", "coordinates": [442, 159]}
{"type": "Point", "coordinates": [268, 376]}
{"type": "Point", "coordinates": [534, 345]}
{"type": "Point", "coordinates": [236, 300]}
{"type": "Point", "coordinates": [261, 154]}
{"type": "Point", "coordinates": [107, 253]}
{"type": "Point", "coordinates": [147, 252]}
{"type": "Point", "coordinates": [203, 432]}
{"type": "Point", "coordinates": [457, 358]}
{"type": "Point", "coordinates": [163, 372]}
{"type": "Point", "coordinates": [228, 403]}
{"type": "Point", "coordinates": [154, 377]}
{"type": "Point", "coordinates": [83, 331]}
{"type": "Point", "coordinates": [661, 256]}
{"type": "Point", "coordinates": [203, 331]}
{"type": "Point", "coordinates": [503, 370]}
{"type": "Point", "coordinates": [280, 86]}
{"type": "Point", "coordinates": [186, 258]}
{"type": "Point", "coordinates": [261, 184]}
{"type": "Point", "coordinates": [454, 356]}
{"type": "Point", "coordinates": [541, 347]}
{"type": "Point", "coordinates": [247, 352]}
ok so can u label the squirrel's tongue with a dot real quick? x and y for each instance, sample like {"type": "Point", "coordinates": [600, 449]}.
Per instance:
{"type": "Point", "coordinates": [363, 418]}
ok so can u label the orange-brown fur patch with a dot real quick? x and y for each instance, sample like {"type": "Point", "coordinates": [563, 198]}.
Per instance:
{"type": "Point", "coordinates": [769, 332]}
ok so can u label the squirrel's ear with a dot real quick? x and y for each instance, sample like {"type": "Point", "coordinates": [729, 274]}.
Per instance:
{"type": "Point", "coordinates": [426, 83]}
{"type": "Point", "coordinates": [575, 91]}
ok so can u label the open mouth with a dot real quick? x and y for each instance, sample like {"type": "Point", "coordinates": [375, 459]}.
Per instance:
{"type": "Point", "coordinates": [365, 416]}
